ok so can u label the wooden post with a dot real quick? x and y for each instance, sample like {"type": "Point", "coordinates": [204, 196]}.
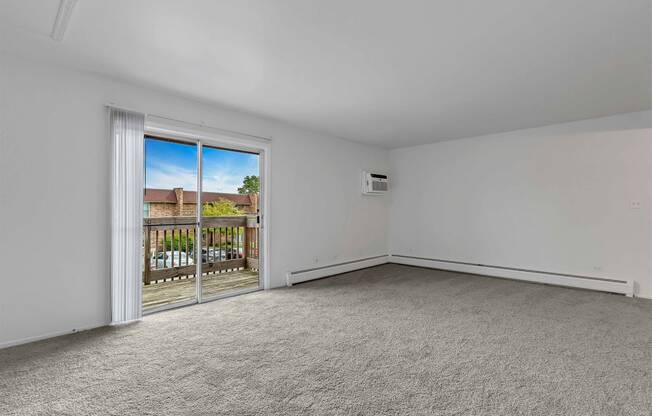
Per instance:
{"type": "Point", "coordinates": [245, 252]}
{"type": "Point", "coordinates": [251, 243]}
{"type": "Point", "coordinates": [147, 266]}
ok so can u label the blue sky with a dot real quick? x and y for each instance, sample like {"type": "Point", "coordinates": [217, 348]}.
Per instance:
{"type": "Point", "coordinates": [174, 165]}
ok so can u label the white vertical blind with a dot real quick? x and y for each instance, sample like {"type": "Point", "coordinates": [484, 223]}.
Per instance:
{"type": "Point", "coordinates": [127, 138]}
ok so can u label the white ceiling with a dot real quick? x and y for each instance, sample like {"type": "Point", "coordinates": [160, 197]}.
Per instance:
{"type": "Point", "coordinates": [392, 73]}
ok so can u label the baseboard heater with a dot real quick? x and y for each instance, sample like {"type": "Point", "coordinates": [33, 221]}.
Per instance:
{"type": "Point", "coordinates": [625, 287]}
{"type": "Point", "coordinates": [333, 269]}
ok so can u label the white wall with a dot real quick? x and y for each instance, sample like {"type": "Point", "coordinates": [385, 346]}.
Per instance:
{"type": "Point", "coordinates": [554, 199]}
{"type": "Point", "coordinates": [54, 210]}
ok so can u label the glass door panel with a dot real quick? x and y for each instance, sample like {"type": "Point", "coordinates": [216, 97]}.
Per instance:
{"type": "Point", "coordinates": [169, 226]}
{"type": "Point", "coordinates": [229, 221]}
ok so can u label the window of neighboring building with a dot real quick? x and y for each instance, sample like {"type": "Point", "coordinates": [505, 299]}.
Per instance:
{"type": "Point", "coordinates": [146, 210]}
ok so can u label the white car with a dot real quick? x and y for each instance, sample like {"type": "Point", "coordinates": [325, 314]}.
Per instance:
{"type": "Point", "coordinates": [220, 254]}
{"type": "Point", "coordinates": [167, 259]}
{"type": "Point", "coordinates": [214, 254]}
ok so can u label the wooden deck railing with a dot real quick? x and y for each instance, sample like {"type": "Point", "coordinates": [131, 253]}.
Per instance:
{"type": "Point", "coordinates": [172, 248]}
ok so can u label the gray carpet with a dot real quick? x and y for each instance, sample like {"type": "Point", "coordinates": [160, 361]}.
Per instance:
{"type": "Point", "coordinates": [390, 340]}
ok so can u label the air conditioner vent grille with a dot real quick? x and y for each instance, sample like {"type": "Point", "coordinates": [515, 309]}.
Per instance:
{"type": "Point", "coordinates": [379, 186]}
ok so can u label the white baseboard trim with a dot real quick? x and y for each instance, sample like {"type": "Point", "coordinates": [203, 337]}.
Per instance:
{"type": "Point", "coordinates": [333, 269]}
{"type": "Point", "coordinates": [13, 343]}
{"type": "Point", "coordinates": [625, 287]}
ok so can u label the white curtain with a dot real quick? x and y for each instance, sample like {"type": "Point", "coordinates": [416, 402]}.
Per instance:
{"type": "Point", "coordinates": [127, 137]}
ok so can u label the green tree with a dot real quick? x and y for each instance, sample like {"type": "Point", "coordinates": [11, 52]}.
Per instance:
{"type": "Point", "coordinates": [179, 242]}
{"type": "Point", "coordinates": [250, 185]}
{"type": "Point", "coordinates": [221, 208]}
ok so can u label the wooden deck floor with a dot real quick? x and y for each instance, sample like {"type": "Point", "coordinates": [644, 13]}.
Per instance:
{"type": "Point", "coordinates": [165, 293]}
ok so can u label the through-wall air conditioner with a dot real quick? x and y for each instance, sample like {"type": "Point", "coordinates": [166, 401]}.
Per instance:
{"type": "Point", "coordinates": [374, 183]}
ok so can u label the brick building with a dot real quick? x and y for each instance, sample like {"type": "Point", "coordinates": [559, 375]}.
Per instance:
{"type": "Point", "coordinates": [177, 202]}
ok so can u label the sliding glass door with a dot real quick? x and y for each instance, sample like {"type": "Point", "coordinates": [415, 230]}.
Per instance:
{"type": "Point", "coordinates": [201, 219]}
{"type": "Point", "coordinates": [229, 220]}
{"type": "Point", "coordinates": [169, 225]}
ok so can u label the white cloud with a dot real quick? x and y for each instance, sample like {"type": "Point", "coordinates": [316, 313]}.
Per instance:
{"type": "Point", "coordinates": [222, 183]}
{"type": "Point", "coordinates": [165, 176]}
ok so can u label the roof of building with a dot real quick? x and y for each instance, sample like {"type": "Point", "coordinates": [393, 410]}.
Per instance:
{"type": "Point", "coordinates": [190, 197]}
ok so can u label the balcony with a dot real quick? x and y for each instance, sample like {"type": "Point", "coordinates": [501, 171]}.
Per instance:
{"type": "Point", "coordinates": [228, 248]}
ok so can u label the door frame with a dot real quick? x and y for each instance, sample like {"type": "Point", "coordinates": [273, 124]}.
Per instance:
{"type": "Point", "coordinates": [231, 141]}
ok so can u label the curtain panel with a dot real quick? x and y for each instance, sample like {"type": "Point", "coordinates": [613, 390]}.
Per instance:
{"type": "Point", "coordinates": [127, 142]}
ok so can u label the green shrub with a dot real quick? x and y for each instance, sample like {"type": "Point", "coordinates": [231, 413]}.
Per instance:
{"type": "Point", "coordinates": [173, 244]}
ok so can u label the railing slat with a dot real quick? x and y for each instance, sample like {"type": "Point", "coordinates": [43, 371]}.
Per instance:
{"type": "Point", "coordinates": [212, 244]}
{"type": "Point", "coordinates": [147, 265]}
{"type": "Point", "coordinates": [156, 252]}
{"type": "Point", "coordinates": [187, 253]}
{"type": "Point", "coordinates": [172, 251]}
{"type": "Point", "coordinates": [165, 248]}
{"type": "Point", "coordinates": [219, 241]}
